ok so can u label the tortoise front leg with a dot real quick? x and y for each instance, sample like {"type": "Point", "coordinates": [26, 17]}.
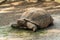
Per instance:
{"type": "Point", "coordinates": [31, 26]}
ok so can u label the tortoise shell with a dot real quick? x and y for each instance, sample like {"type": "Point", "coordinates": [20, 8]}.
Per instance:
{"type": "Point", "coordinates": [37, 16]}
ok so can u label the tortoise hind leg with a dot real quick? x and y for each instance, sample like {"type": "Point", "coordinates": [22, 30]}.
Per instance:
{"type": "Point", "coordinates": [51, 24]}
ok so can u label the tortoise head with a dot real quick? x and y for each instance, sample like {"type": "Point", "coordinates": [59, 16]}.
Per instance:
{"type": "Point", "coordinates": [21, 22]}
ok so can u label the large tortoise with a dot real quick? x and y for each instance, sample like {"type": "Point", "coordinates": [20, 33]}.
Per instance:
{"type": "Point", "coordinates": [34, 18]}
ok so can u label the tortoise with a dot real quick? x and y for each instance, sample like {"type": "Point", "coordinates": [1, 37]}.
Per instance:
{"type": "Point", "coordinates": [34, 18]}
